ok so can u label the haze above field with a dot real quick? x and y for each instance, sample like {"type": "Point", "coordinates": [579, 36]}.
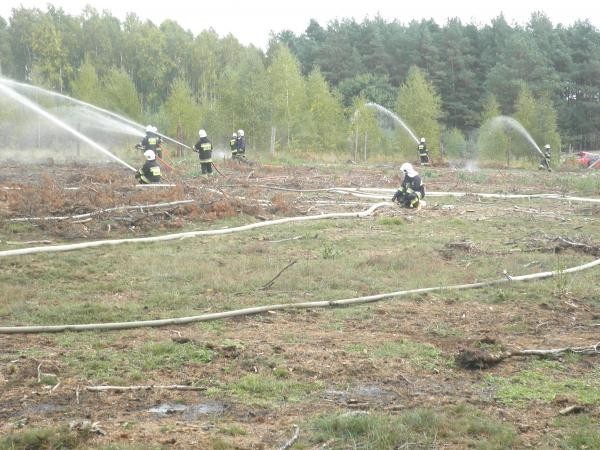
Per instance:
{"type": "Point", "coordinates": [252, 22]}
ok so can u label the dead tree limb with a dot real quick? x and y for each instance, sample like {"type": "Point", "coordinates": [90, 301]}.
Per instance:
{"type": "Point", "coordinates": [102, 211]}
{"type": "Point", "coordinates": [554, 352]}
{"type": "Point", "coordinates": [479, 359]}
{"type": "Point", "coordinates": [293, 439]}
{"type": "Point", "coordinates": [270, 283]}
{"type": "Point", "coordinates": [173, 387]}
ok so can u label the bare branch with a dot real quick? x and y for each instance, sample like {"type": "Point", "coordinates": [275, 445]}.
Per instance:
{"type": "Point", "coordinates": [174, 387]}
{"type": "Point", "coordinates": [293, 439]}
{"type": "Point", "coordinates": [270, 283]}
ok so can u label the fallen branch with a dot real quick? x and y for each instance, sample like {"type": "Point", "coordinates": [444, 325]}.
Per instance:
{"type": "Point", "coordinates": [479, 359]}
{"type": "Point", "coordinates": [554, 352]}
{"type": "Point", "coordinates": [289, 443]}
{"type": "Point", "coordinates": [102, 211]}
{"type": "Point", "coordinates": [173, 387]}
{"type": "Point", "coordinates": [45, 241]}
{"type": "Point", "coordinates": [285, 240]}
{"type": "Point", "coordinates": [270, 283]}
{"type": "Point", "coordinates": [593, 250]}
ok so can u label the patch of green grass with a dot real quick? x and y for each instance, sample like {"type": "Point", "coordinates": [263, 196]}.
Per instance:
{"type": "Point", "coordinates": [356, 348]}
{"type": "Point", "coordinates": [268, 389]}
{"type": "Point", "coordinates": [131, 447]}
{"type": "Point", "coordinates": [579, 432]}
{"type": "Point", "coordinates": [444, 330]}
{"type": "Point", "coordinates": [423, 356]}
{"type": "Point", "coordinates": [330, 251]}
{"type": "Point", "coordinates": [473, 177]}
{"type": "Point", "coordinates": [218, 443]}
{"type": "Point", "coordinates": [44, 438]}
{"type": "Point", "coordinates": [18, 227]}
{"type": "Point", "coordinates": [233, 430]}
{"type": "Point", "coordinates": [543, 382]}
{"type": "Point", "coordinates": [462, 426]}
{"type": "Point", "coordinates": [102, 362]}
{"type": "Point", "coordinates": [391, 221]}
{"type": "Point", "coordinates": [588, 184]}
{"type": "Point", "coordinates": [456, 222]}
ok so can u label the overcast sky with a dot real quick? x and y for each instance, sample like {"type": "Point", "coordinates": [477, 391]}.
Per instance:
{"type": "Point", "coordinates": [251, 21]}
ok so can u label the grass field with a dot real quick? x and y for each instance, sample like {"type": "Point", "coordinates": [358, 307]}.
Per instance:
{"type": "Point", "coordinates": [381, 375]}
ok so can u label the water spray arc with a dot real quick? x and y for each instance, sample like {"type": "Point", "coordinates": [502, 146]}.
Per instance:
{"type": "Point", "coordinates": [31, 105]}
{"type": "Point", "coordinates": [89, 105]}
{"type": "Point", "coordinates": [515, 125]}
{"type": "Point", "coordinates": [395, 117]}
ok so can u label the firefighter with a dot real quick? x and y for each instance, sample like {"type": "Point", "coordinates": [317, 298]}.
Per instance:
{"type": "Point", "coordinates": [412, 190]}
{"type": "Point", "coordinates": [204, 149]}
{"type": "Point", "coordinates": [150, 171]}
{"type": "Point", "coordinates": [233, 145]}
{"type": "Point", "coordinates": [423, 153]}
{"type": "Point", "coordinates": [152, 141]}
{"type": "Point", "coordinates": [545, 161]}
{"type": "Point", "coordinates": [241, 144]}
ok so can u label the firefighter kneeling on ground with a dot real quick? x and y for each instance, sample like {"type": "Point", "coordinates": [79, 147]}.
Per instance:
{"type": "Point", "coordinates": [412, 190]}
{"type": "Point", "coordinates": [150, 171]}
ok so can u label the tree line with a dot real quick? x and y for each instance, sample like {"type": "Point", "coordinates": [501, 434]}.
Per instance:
{"type": "Point", "coordinates": [312, 89]}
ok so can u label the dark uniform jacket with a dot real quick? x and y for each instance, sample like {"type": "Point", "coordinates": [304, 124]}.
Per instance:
{"type": "Point", "coordinates": [204, 149]}
{"type": "Point", "coordinates": [151, 142]}
{"type": "Point", "coordinates": [149, 173]}
{"type": "Point", "coordinates": [241, 144]}
{"type": "Point", "coordinates": [413, 184]}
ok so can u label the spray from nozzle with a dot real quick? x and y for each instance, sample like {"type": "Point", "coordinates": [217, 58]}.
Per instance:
{"type": "Point", "coordinates": [395, 117]}
{"type": "Point", "coordinates": [105, 111]}
{"type": "Point", "coordinates": [31, 105]}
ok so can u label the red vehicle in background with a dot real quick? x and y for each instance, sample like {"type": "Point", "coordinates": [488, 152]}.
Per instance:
{"type": "Point", "coordinates": [588, 159]}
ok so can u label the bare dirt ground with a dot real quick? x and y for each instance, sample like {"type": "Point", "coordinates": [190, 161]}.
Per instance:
{"type": "Point", "coordinates": [312, 351]}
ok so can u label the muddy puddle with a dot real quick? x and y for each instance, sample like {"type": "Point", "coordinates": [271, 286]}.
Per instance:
{"type": "Point", "coordinates": [188, 412]}
{"type": "Point", "coordinates": [362, 395]}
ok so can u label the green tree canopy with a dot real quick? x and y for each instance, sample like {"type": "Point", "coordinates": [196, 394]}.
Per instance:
{"type": "Point", "coordinates": [419, 106]}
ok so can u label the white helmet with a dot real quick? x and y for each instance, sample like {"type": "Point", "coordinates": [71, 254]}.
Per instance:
{"type": "Point", "coordinates": [202, 133]}
{"type": "Point", "coordinates": [547, 146]}
{"type": "Point", "coordinates": [149, 129]}
{"type": "Point", "coordinates": [408, 169]}
{"type": "Point", "coordinates": [149, 154]}
{"type": "Point", "coordinates": [423, 140]}
{"type": "Point", "coordinates": [241, 132]}
{"type": "Point", "coordinates": [154, 129]}
{"type": "Point", "coordinates": [234, 134]}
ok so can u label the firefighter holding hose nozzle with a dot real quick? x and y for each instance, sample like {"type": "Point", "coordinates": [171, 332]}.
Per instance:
{"type": "Point", "coordinates": [204, 149]}
{"type": "Point", "coordinates": [150, 171]}
{"type": "Point", "coordinates": [412, 190]}
{"type": "Point", "coordinates": [545, 161]}
{"type": "Point", "coordinates": [152, 141]}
